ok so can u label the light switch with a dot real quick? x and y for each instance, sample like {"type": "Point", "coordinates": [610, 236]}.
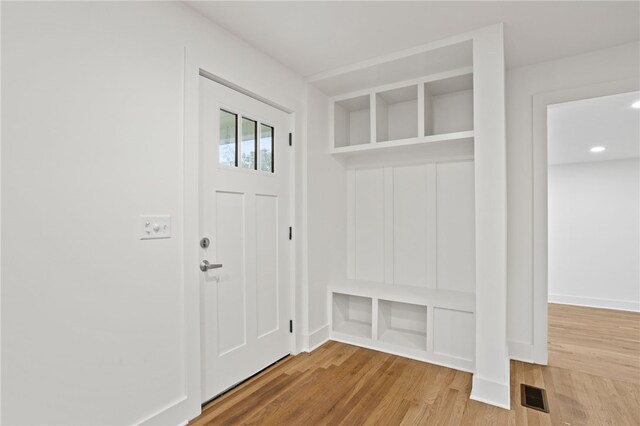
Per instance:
{"type": "Point", "coordinates": [152, 227]}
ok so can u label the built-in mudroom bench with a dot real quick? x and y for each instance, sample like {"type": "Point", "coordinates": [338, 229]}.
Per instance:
{"type": "Point", "coordinates": [425, 324]}
{"type": "Point", "coordinates": [418, 140]}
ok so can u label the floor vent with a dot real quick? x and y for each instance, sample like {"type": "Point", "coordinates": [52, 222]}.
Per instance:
{"type": "Point", "coordinates": [533, 397]}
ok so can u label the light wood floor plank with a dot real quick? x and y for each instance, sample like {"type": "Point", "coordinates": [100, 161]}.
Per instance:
{"type": "Point", "coordinates": [593, 378]}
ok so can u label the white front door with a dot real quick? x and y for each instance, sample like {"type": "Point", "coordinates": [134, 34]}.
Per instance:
{"type": "Point", "coordinates": [244, 211]}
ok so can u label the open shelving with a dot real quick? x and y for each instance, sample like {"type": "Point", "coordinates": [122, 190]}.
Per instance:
{"type": "Point", "coordinates": [397, 114]}
{"type": "Point", "coordinates": [352, 121]}
{"type": "Point", "coordinates": [433, 109]}
{"type": "Point", "coordinates": [352, 315]}
{"type": "Point", "coordinates": [448, 105]}
{"type": "Point", "coordinates": [417, 138]}
{"type": "Point", "coordinates": [405, 320]}
{"type": "Point", "coordinates": [402, 324]}
{"type": "Point", "coordinates": [450, 299]}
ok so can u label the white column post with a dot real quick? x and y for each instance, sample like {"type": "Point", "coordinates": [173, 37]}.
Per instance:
{"type": "Point", "coordinates": [491, 378]}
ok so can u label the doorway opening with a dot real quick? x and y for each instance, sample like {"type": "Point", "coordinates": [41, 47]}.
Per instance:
{"type": "Point", "coordinates": [593, 186]}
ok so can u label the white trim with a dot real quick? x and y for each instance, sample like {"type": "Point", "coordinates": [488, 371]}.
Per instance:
{"type": "Point", "coordinates": [621, 305]}
{"type": "Point", "coordinates": [521, 351]}
{"type": "Point", "coordinates": [244, 91]}
{"type": "Point", "coordinates": [490, 392]}
{"type": "Point", "coordinates": [0, 230]}
{"type": "Point", "coordinates": [540, 225]}
{"type": "Point", "coordinates": [316, 338]}
{"type": "Point", "coordinates": [491, 378]}
{"type": "Point", "coordinates": [301, 234]}
{"type": "Point", "coordinates": [167, 414]}
{"type": "Point", "coordinates": [443, 360]}
{"type": "Point", "coordinates": [391, 57]}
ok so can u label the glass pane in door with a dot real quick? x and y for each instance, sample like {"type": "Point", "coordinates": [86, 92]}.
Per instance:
{"type": "Point", "coordinates": [248, 146]}
{"type": "Point", "coordinates": [228, 144]}
{"type": "Point", "coordinates": [266, 148]}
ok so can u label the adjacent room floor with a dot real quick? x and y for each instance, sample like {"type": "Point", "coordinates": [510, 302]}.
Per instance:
{"type": "Point", "coordinates": [593, 378]}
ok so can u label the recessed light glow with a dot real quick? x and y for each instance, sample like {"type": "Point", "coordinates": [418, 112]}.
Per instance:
{"type": "Point", "coordinates": [597, 149]}
{"type": "Point", "coordinates": [635, 104]}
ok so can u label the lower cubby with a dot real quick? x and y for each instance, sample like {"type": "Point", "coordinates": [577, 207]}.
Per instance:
{"type": "Point", "coordinates": [352, 315]}
{"type": "Point", "coordinates": [402, 324]}
{"type": "Point", "coordinates": [430, 325]}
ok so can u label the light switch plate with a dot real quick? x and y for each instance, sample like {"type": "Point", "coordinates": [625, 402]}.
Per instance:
{"type": "Point", "coordinates": [153, 227]}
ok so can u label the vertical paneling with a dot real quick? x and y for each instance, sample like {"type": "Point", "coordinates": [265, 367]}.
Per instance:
{"type": "Point", "coordinates": [231, 306]}
{"type": "Point", "coordinates": [388, 225]}
{"type": "Point", "coordinates": [267, 289]}
{"type": "Point", "coordinates": [413, 225]}
{"type": "Point", "coordinates": [432, 226]}
{"type": "Point", "coordinates": [369, 224]}
{"type": "Point", "coordinates": [455, 226]}
{"type": "Point", "coordinates": [410, 230]}
{"type": "Point", "coordinates": [351, 224]}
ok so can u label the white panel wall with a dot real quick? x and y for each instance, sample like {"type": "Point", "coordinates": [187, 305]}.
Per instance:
{"type": "Point", "coordinates": [416, 221]}
{"type": "Point", "coordinates": [594, 234]}
{"type": "Point", "coordinates": [92, 114]}
{"type": "Point", "coordinates": [411, 220]}
{"type": "Point", "coordinates": [369, 225]}
{"type": "Point", "coordinates": [326, 216]}
{"type": "Point", "coordinates": [456, 252]}
{"type": "Point", "coordinates": [522, 83]}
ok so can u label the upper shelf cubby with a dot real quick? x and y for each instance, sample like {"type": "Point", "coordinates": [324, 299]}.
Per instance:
{"type": "Point", "coordinates": [352, 121]}
{"type": "Point", "coordinates": [403, 103]}
{"type": "Point", "coordinates": [397, 114]}
{"type": "Point", "coordinates": [433, 109]}
{"type": "Point", "coordinates": [448, 105]}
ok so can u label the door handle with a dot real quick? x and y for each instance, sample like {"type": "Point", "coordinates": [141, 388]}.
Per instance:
{"type": "Point", "coordinates": [205, 265]}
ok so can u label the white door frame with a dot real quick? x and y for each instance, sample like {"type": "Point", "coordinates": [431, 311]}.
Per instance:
{"type": "Point", "coordinates": [198, 63]}
{"type": "Point", "coordinates": [540, 214]}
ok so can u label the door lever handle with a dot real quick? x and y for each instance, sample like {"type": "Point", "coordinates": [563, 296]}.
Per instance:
{"type": "Point", "coordinates": [205, 265]}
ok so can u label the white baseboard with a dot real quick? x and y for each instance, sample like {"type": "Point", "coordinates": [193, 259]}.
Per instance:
{"type": "Point", "coordinates": [521, 352]}
{"type": "Point", "coordinates": [316, 338]}
{"type": "Point", "coordinates": [622, 305]}
{"type": "Point", "coordinates": [490, 392]}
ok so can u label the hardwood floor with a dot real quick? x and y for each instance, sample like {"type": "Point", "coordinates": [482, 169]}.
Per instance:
{"type": "Point", "coordinates": [593, 378]}
{"type": "Point", "coordinates": [596, 341]}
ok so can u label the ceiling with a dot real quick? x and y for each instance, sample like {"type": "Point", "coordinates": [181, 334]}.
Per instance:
{"type": "Point", "coordinates": [312, 37]}
{"type": "Point", "coordinates": [610, 121]}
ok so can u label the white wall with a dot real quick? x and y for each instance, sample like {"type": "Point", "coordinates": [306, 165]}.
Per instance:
{"type": "Point", "coordinates": [326, 216]}
{"type": "Point", "coordinates": [621, 62]}
{"type": "Point", "coordinates": [594, 234]}
{"type": "Point", "coordinates": [92, 317]}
